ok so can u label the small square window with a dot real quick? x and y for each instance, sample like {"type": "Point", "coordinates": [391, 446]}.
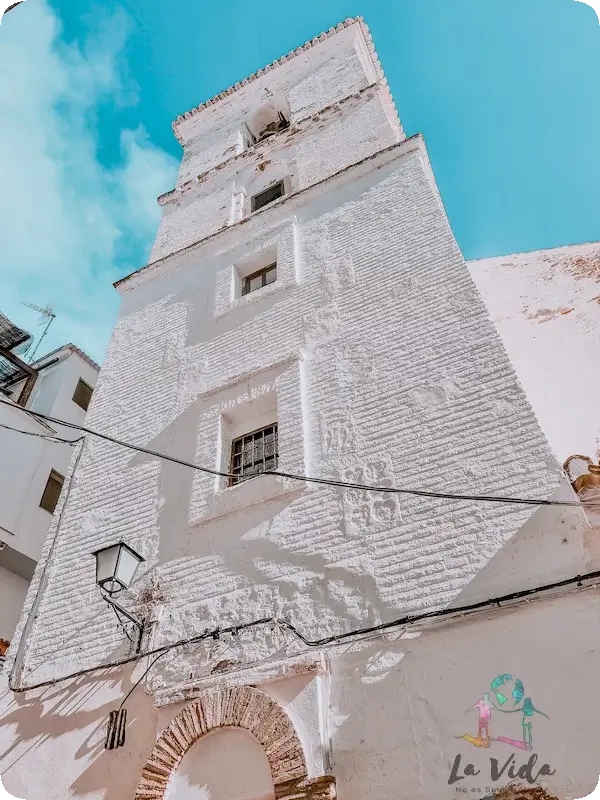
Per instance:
{"type": "Point", "coordinates": [52, 491]}
{"type": "Point", "coordinates": [263, 277]}
{"type": "Point", "coordinates": [253, 454]}
{"type": "Point", "coordinates": [83, 394]}
{"type": "Point", "coordinates": [268, 195]}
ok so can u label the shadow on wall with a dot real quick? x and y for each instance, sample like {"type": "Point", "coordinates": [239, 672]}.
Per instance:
{"type": "Point", "coordinates": [44, 720]}
{"type": "Point", "coordinates": [381, 675]}
{"type": "Point", "coordinates": [243, 541]}
{"type": "Point", "coordinates": [224, 764]}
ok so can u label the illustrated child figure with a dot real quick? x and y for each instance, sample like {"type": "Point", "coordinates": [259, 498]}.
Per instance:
{"type": "Point", "coordinates": [528, 710]}
{"type": "Point", "coordinates": [485, 714]}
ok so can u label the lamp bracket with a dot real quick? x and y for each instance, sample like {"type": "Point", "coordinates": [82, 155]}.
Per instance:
{"type": "Point", "coordinates": [139, 624]}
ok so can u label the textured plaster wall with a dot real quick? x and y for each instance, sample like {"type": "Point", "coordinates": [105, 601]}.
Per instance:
{"type": "Point", "coordinates": [385, 368]}
{"type": "Point", "coordinates": [398, 709]}
{"type": "Point", "coordinates": [396, 715]}
{"type": "Point", "coordinates": [52, 741]}
{"type": "Point", "coordinates": [308, 153]}
{"type": "Point", "coordinates": [378, 359]}
{"type": "Point", "coordinates": [329, 72]}
{"type": "Point", "coordinates": [546, 307]}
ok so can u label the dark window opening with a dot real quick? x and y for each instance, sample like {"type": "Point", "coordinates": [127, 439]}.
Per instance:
{"type": "Point", "coordinates": [253, 454]}
{"type": "Point", "coordinates": [263, 277]}
{"type": "Point", "coordinates": [279, 124]}
{"type": "Point", "coordinates": [267, 196]}
{"type": "Point", "coordinates": [52, 491]}
{"type": "Point", "coordinates": [83, 394]}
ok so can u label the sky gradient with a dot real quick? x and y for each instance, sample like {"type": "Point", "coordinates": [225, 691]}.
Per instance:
{"type": "Point", "coordinates": [505, 93]}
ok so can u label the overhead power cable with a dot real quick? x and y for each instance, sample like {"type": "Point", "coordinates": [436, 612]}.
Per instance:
{"type": "Point", "coordinates": [409, 619]}
{"type": "Point", "coordinates": [45, 436]}
{"type": "Point", "coordinates": [303, 478]}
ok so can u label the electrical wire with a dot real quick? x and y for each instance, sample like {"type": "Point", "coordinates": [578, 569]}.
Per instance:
{"type": "Point", "coordinates": [234, 630]}
{"type": "Point", "coordinates": [305, 478]}
{"type": "Point", "coordinates": [45, 437]}
{"type": "Point", "coordinates": [32, 614]}
{"type": "Point", "coordinates": [137, 683]}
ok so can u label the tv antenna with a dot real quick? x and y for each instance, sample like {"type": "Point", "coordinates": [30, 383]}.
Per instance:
{"type": "Point", "coordinates": [47, 315]}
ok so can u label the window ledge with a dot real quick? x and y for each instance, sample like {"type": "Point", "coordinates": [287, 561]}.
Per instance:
{"type": "Point", "coordinates": [244, 675]}
{"type": "Point", "coordinates": [252, 297]}
{"type": "Point", "coordinates": [253, 492]}
{"type": "Point", "coordinates": [279, 201]}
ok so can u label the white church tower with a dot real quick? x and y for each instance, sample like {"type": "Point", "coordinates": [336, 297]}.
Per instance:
{"type": "Point", "coordinates": [305, 311]}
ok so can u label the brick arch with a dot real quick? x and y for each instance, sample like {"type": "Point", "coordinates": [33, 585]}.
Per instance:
{"type": "Point", "coordinates": [241, 707]}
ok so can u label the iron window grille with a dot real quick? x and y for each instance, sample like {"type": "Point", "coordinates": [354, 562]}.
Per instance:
{"type": "Point", "coordinates": [253, 454]}
{"type": "Point", "coordinates": [260, 278]}
{"type": "Point", "coordinates": [52, 491]}
{"type": "Point", "coordinates": [268, 195]}
{"type": "Point", "coordinates": [82, 394]}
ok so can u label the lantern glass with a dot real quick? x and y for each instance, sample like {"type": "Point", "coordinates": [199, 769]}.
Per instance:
{"type": "Point", "coordinates": [128, 563]}
{"type": "Point", "coordinates": [115, 567]}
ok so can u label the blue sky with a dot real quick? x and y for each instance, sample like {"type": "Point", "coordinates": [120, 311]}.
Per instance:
{"type": "Point", "coordinates": [506, 94]}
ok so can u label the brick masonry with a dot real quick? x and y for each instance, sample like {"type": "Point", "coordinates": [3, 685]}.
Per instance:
{"type": "Point", "coordinates": [244, 707]}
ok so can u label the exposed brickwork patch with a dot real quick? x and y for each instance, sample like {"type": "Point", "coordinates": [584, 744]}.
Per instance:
{"type": "Point", "coordinates": [546, 314]}
{"type": "Point", "coordinates": [322, 788]}
{"type": "Point", "coordinates": [241, 707]}
{"type": "Point", "coordinates": [516, 793]}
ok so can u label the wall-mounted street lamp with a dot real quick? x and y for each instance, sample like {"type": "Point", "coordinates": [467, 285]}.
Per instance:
{"type": "Point", "coordinates": [115, 567]}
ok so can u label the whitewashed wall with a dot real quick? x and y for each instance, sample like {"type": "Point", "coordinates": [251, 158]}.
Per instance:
{"type": "Point", "coordinates": [25, 465]}
{"type": "Point", "coordinates": [26, 470]}
{"type": "Point", "coordinates": [396, 713]}
{"type": "Point", "coordinates": [386, 369]}
{"type": "Point", "coordinates": [381, 362]}
{"type": "Point", "coordinates": [546, 307]}
{"type": "Point", "coordinates": [13, 589]}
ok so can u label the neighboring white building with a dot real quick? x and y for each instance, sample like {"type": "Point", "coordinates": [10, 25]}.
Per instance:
{"type": "Point", "coordinates": [306, 306]}
{"type": "Point", "coordinates": [546, 307]}
{"type": "Point", "coordinates": [33, 466]}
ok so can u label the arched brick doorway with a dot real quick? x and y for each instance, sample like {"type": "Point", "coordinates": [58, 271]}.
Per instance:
{"type": "Point", "coordinates": [241, 707]}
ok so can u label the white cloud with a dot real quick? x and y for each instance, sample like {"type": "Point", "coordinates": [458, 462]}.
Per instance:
{"type": "Point", "coordinates": [66, 219]}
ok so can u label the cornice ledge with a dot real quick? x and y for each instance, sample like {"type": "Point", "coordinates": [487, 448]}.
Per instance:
{"type": "Point", "coordinates": [264, 148]}
{"type": "Point", "coordinates": [255, 675]}
{"type": "Point", "coordinates": [415, 143]}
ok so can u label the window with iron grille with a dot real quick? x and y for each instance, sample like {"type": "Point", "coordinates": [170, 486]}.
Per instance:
{"type": "Point", "coordinates": [253, 453]}
{"type": "Point", "coordinates": [263, 277]}
{"type": "Point", "coordinates": [83, 394]}
{"type": "Point", "coordinates": [268, 195]}
{"type": "Point", "coordinates": [51, 494]}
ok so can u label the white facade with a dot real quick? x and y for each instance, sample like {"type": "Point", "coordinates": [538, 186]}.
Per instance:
{"type": "Point", "coordinates": [376, 357]}
{"type": "Point", "coordinates": [27, 462]}
{"type": "Point", "coordinates": [546, 307]}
